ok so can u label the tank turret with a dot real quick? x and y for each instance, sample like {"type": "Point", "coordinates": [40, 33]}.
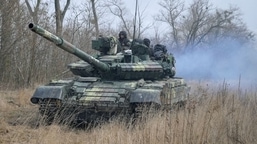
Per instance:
{"type": "Point", "coordinates": [131, 64]}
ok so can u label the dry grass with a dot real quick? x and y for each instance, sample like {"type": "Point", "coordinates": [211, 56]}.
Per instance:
{"type": "Point", "coordinates": [215, 114]}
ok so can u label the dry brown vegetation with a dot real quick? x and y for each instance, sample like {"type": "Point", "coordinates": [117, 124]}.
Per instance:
{"type": "Point", "coordinates": [215, 114]}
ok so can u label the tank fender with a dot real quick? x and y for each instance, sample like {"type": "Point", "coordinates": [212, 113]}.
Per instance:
{"type": "Point", "coordinates": [53, 92]}
{"type": "Point", "coordinates": [145, 96]}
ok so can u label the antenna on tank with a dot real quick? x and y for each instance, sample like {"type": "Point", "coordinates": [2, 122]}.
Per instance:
{"type": "Point", "coordinates": [135, 20]}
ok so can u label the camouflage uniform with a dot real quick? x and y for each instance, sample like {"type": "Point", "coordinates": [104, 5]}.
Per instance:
{"type": "Point", "coordinates": [147, 42]}
{"type": "Point", "coordinates": [124, 41]}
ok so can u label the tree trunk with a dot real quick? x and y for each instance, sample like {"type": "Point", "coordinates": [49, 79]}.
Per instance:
{"type": "Point", "coordinates": [95, 18]}
{"type": "Point", "coordinates": [6, 35]}
{"type": "Point", "coordinates": [57, 57]}
{"type": "Point", "coordinates": [31, 70]}
{"type": "Point", "coordinates": [59, 14]}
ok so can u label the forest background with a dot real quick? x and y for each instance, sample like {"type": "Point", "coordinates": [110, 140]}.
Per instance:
{"type": "Point", "coordinates": [208, 42]}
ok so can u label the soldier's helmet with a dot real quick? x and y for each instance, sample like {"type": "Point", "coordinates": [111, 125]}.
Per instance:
{"type": "Point", "coordinates": [123, 33]}
{"type": "Point", "coordinates": [146, 42]}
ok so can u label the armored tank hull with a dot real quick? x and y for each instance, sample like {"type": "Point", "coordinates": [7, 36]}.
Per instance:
{"type": "Point", "coordinates": [88, 98]}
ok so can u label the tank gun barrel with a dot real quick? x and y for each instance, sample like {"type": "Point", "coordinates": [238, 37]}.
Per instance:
{"type": "Point", "coordinates": [63, 44]}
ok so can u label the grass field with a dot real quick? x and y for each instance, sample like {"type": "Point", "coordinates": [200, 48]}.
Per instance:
{"type": "Point", "coordinates": [216, 113]}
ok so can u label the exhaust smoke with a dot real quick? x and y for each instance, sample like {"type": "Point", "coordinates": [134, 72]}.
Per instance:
{"type": "Point", "coordinates": [226, 60]}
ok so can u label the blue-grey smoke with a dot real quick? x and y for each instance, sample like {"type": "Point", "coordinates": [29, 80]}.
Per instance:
{"type": "Point", "coordinates": [223, 61]}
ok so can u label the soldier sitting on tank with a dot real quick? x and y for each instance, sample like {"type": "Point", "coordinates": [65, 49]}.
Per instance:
{"type": "Point", "coordinates": [147, 42]}
{"type": "Point", "coordinates": [140, 50]}
{"type": "Point", "coordinates": [123, 41]}
{"type": "Point", "coordinates": [159, 52]}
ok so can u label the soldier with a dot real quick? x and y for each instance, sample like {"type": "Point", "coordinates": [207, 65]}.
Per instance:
{"type": "Point", "coordinates": [147, 42]}
{"type": "Point", "coordinates": [160, 51]}
{"type": "Point", "coordinates": [124, 41]}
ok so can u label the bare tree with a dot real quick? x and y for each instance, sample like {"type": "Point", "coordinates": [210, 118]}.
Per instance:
{"type": "Point", "coordinates": [95, 17]}
{"type": "Point", "coordinates": [8, 9]}
{"type": "Point", "coordinates": [198, 23]}
{"type": "Point", "coordinates": [195, 25]}
{"type": "Point", "coordinates": [34, 14]}
{"type": "Point", "coordinates": [156, 38]}
{"type": "Point", "coordinates": [171, 14]}
{"type": "Point", "coordinates": [57, 56]}
{"type": "Point", "coordinates": [141, 28]}
{"type": "Point", "coordinates": [204, 21]}
{"type": "Point", "coordinates": [60, 16]}
{"type": "Point", "coordinates": [118, 9]}
{"type": "Point", "coordinates": [84, 24]}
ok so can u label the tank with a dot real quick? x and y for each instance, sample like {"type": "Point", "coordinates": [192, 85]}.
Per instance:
{"type": "Point", "coordinates": [110, 83]}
